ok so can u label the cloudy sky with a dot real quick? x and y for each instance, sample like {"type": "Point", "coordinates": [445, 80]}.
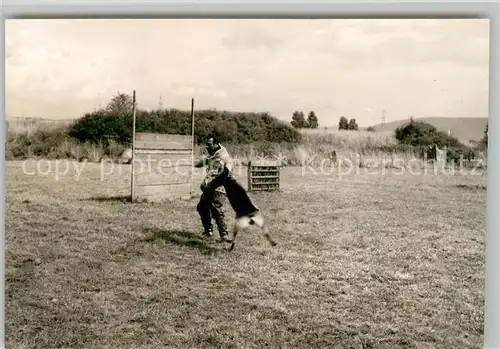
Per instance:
{"type": "Point", "coordinates": [60, 69]}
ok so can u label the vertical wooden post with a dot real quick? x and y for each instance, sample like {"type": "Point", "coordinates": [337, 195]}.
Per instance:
{"type": "Point", "coordinates": [192, 146]}
{"type": "Point", "coordinates": [249, 176]}
{"type": "Point", "coordinates": [132, 172]}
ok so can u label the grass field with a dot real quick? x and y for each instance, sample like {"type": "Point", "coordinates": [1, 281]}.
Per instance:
{"type": "Point", "coordinates": [362, 261]}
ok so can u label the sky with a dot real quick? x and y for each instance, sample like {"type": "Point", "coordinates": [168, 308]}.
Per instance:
{"type": "Point", "coordinates": [358, 68]}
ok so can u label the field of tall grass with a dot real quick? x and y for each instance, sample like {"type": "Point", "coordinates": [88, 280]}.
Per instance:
{"type": "Point", "coordinates": [39, 138]}
{"type": "Point", "coordinates": [17, 126]}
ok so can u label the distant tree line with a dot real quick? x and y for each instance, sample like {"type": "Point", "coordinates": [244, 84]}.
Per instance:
{"type": "Point", "coordinates": [299, 121]}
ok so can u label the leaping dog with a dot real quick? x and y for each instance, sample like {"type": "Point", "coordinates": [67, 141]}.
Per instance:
{"type": "Point", "coordinates": [247, 213]}
{"type": "Point", "coordinates": [243, 222]}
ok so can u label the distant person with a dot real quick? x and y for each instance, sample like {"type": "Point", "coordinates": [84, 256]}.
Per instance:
{"type": "Point", "coordinates": [219, 165]}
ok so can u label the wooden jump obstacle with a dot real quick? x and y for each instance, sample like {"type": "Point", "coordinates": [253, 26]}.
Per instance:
{"type": "Point", "coordinates": [161, 165]}
{"type": "Point", "coordinates": [264, 176]}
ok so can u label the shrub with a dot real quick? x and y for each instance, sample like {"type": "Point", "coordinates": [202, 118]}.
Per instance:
{"type": "Point", "coordinates": [100, 126]}
{"type": "Point", "coordinates": [416, 133]}
{"type": "Point", "coordinates": [422, 135]}
{"type": "Point", "coordinates": [460, 152]}
{"type": "Point", "coordinates": [38, 143]}
{"type": "Point", "coordinates": [483, 143]}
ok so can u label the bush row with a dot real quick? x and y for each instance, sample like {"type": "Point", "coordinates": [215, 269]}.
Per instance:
{"type": "Point", "coordinates": [231, 127]}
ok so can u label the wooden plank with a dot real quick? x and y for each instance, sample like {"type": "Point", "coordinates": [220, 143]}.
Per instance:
{"type": "Point", "coordinates": [266, 163]}
{"type": "Point", "coordinates": [162, 145]}
{"type": "Point", "coordinates": [267, 188]}
{"type": "Point", "coordinates": [159, 162]}
{"type": "Point", "coordinates": [162, 141]}
{"type": "Point", "coordinates": [261, 168]}
{"type": "Point", "coordinates": [159, 199]}
{"type": "Point", "coordinates": [265, 177]}
{"type": "Point", "coordinates": [260, 184]}
{"type": "Point", "coordinates": [163, 191]}
{"type": "Point", "coordinates": [162, 152]}
{"type": "Point", "coordinates": [264, 171]}
{"type": "Point", "coordinates": [265, 183]}
{"type": "Point", "coordinates": [163, 177]}
{"type": "Point", "coordinates": [161, 137]}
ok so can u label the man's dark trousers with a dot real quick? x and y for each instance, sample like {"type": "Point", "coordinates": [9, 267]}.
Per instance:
{"type": "Point", "coordinates": [210, 205]}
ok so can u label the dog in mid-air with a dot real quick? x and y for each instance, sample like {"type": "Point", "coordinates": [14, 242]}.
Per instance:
{"type": "Point", "coordinates": [243, 222]}
{"type": "Point", "coordinates": [247, 214]}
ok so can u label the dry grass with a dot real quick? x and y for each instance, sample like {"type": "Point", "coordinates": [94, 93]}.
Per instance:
{"type": "Point", "coordinates": [350, 135]}
{"type": "Point", "coordinates": [17, 126]}
{"type": "Point", "coordinates": [364, 261]}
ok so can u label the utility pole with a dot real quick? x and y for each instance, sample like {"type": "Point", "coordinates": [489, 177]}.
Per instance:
{"type": "Point", "coordinates": [160, 103]}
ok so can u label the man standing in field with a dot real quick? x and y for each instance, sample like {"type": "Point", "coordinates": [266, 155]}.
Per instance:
{"type": "Point", "coordinates": [218, 164]}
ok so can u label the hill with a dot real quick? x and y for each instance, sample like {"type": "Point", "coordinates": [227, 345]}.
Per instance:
{"type": "Point", "coordinates": [465, 129]}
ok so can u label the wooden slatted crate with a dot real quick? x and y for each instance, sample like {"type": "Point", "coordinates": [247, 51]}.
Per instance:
{"type": "Point", "coordinates": [263, 176]}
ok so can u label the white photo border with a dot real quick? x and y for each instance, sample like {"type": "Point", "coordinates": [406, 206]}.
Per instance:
{"type": "Point", "coordinates": [13, 9]}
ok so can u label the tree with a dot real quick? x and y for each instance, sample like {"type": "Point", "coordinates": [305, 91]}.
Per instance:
{"type": "Point", "coordinates": [416, 133]}
{"type": "Point", "coordinates": [312, 120]}
{"type": "Point", "coordinates": [299, 120]}
{"type": "Point", "coordinates": [484, 141]}
{"type": "Point", "coordinates": [353, 125]}
{"type": "Point", "coordinates": [343, 123]}
{"type": "Point", "coordinates": [121, 104]}
{"type": "Point", "coordinates": [419, 133]}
